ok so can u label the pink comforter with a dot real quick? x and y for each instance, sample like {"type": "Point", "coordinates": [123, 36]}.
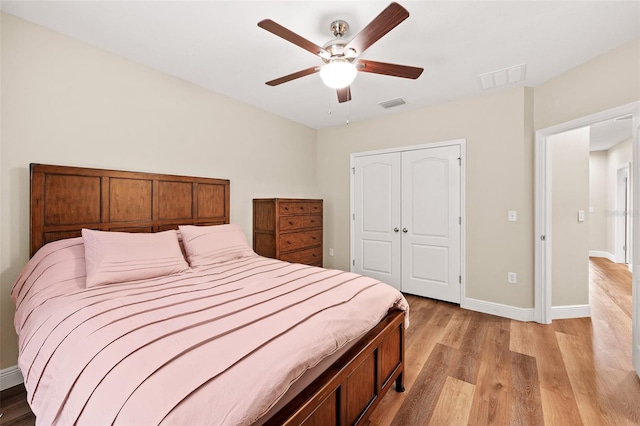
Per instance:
{"type": "Point", "coordinates": [214, 346]}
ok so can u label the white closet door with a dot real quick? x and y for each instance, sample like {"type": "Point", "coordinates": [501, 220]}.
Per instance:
{"type": "Point", "coordinates": [430, 223]}
{"type": "Point", "coordinates": [377, 217]}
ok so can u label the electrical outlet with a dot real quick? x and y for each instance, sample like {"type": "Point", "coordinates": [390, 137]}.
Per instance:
{"type": "Point", "coordinates": [512, 277]}
{"type": "Point", "coordinates": [330, 252]}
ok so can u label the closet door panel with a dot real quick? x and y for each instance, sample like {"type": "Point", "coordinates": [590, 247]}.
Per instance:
{"type": "Point", "coordinates": [377, 217]}
{"type": "Point", "coordinates": [430, 223]}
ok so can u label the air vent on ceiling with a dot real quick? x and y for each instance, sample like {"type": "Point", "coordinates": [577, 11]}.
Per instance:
{"type": "Point", "coordinates": [392, 103]}
{"type": "Point", "coordinates": [502, 77]}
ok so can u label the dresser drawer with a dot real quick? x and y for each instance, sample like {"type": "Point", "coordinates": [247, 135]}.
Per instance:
{"type": "Point", "coordinates": [289, 223]}
{"type": "Point", "coordinates": [293, 207]}
{"type": "Point", "coordinates": [312, 221]}
{"type": "Point", "coordinates": [312, 256]}
{"type": "Point", "coordinates": [298, 240]}
{"type": "Point", "coordinates": [315, 207]}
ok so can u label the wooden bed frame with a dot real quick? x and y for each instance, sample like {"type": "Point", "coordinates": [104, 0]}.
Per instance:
{"type": "Point", "coordinates": [66, 199]}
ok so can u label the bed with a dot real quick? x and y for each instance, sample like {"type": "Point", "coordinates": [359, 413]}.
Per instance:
{"type": "Point", "coordinates": [249, 349]}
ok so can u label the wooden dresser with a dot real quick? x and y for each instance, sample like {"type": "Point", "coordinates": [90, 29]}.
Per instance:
{"type": "Point", "coordinates": [288, 229]}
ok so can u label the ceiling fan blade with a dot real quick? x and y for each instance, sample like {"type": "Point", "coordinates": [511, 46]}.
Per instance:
{"type": "Point", "coordinates": [387, 20]}
{"type": "Point", "coordinates": [280, 31]}
{"type": "Point", "coordinates": [344, 94]}
{"type": "Point", "coordinates": [394, 70]}
{"type": "Point", "coordinates": [293, 76]}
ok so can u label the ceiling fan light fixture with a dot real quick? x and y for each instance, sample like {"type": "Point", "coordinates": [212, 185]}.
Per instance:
{"type": "Point", "coordinates": [338, 74]}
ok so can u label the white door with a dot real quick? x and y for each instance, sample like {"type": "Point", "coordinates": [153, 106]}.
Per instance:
{"type": "Point", "coordinates": [431, 223]}
{"type": "Point", "coordinates": [406, 220]}
{"type": "Point", "coordinates": [376, 218]}
{"type": "Point", "coordinates": [622, 227]}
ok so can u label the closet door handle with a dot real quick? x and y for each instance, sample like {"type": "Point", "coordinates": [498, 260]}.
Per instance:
{"type": "Point", "coordinates": [405, 230]}
{"type": "Point", "coordinates": [395, 229]}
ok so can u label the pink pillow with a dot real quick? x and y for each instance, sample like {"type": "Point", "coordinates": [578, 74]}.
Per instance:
{"type": "Point", "coordinates": [115, 257]}
{"type": "Point", "coordinates": [207, 245]}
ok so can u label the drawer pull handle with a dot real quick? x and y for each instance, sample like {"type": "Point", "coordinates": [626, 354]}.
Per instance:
{"type": "Point", "coordinates": [289, 242]}
{"type": "Point", "coordinates": [290, 222]}
{"type": "Point", "coordinates": [286, 208]}
{"type": "Point", "coordinates": [313, 221]}
{"type": "Point", "coordinates": [313, 255]}
{"type": "Point", "coordinates": [313, 238]}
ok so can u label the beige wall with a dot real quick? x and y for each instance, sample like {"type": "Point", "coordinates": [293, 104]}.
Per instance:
{"type": "Point", "coordinates": [65, 102]}
{"type": "Point", "coordinates": [570, 238]}
{"type": "Point", "coordinates": [499, 178]}
{"type": "Point", "coordinates": [603, 176]}
{"type": "Point", "coordinates": [607, 81]}
{"type": "Point", "coordinates": [598, 161]}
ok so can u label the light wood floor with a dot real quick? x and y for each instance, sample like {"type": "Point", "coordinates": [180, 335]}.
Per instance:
{"type": "Point", "coordinates": [468, 368]}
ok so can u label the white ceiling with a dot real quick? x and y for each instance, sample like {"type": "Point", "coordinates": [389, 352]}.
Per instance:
{"type": "Point", "coordinates": [218, 45]}
{"type": "Point", "coordinates": [608, 133]}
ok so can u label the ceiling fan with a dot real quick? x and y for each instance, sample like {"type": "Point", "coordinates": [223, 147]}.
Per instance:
{"type": "Point", "coordinates": [341, 57]}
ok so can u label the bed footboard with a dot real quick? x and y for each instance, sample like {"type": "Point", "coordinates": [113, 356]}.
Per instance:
{"type": "Point", "coordinates": [353, 386]}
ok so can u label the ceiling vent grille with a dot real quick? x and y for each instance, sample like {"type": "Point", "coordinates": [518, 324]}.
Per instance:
{"type": "Point", "coordinates": [392, 103]}
{"type": "Point", "coordinates": [502, 77]}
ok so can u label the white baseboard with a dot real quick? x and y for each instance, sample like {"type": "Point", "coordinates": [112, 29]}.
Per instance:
{"type": "Point", "coordinates": [506, 311]}
{"type": "Point", "coordinates": [570, 311]}
{"type": "Point", "coordinates": [605, 254]}
{"type": "Point", "coordinates": [10, 377]}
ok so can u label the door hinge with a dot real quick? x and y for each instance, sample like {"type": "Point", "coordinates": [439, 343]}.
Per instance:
{"type": "Point", "coordinates": [459, 161]}
{"type": "Point", "coordinates": [459, 220]}
{"type": "Point", "coordinates": [354, 262]}
{"type": "Point", "coordinates": [353, 170]}
{"type": "Point", "coordinates": [354, 216]}
{"type": "Point", "coordinates": [543, 237]}
{"type": "Point", "coordinates": [460, 279]}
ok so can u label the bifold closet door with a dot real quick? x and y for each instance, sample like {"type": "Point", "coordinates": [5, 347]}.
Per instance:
{"type": "Point", "coordinates": [407, 220]}
{"type": "Point", "coordinates": [376, 218]}
{"type": "Point", "coordinates": [431, 223]}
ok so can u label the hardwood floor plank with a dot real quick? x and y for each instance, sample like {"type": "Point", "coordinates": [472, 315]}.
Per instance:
{"type": "Point", "coordinates": [421, 399]}
{"type": "Point", "coordinates": [490, 405]}
{"type": "Point", "coordinates": [589, 385]}
{"type": "Point", "coordinates": [526, 406]}
{"type": "Point", "coordinates": [454, 404]}
{"type": "Point", "coordinates": [457, 328]}
{"type": "Point", "coordinates": [539, 342]}
{"type": "Point", "coordinates": [558, 402]}
{"type": "Point", "coordinates": [14, 408]}
{"type": "Point", "coordinates": [522, 337]}
{"type": "Point", "coordinates": [614, 280]}
{"type": "Point", "coordinates": [420, 341]}
{"type": "Point", "coordinates": [466, 368]}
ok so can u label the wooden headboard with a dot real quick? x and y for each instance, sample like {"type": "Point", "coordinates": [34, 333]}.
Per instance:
{"type": "Point", "coordinates": [66, 199]}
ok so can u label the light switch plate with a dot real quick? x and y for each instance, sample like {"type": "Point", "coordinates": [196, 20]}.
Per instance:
{"type": "Point", "coordinates": [580, 215]}
{"type": "Point", "coordinates": [513, 216]}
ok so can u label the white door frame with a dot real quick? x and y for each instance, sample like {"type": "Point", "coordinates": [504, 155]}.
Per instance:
{"type": "Point", "coordinates": [542, 308]}
{"type": "Point", "coordinates": [462, 143]}
{"type": "Point", "coordinates": [621, 233]}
